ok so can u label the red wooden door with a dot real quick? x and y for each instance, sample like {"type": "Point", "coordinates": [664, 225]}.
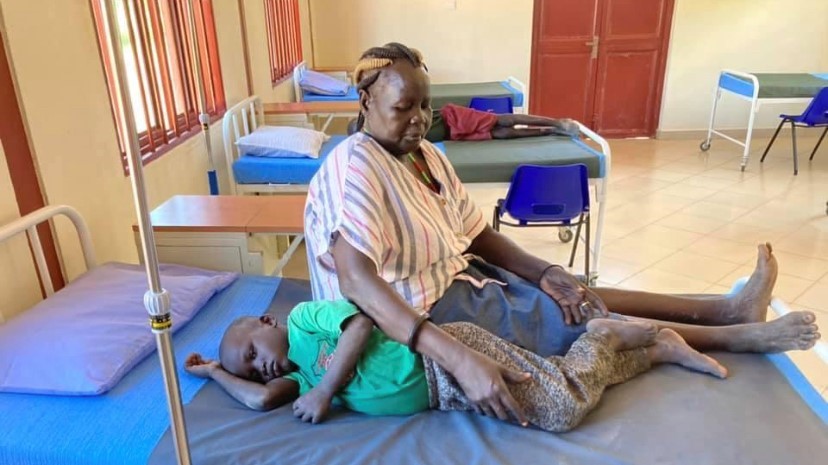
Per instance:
{"type": "Point", "coordinates": [617, 89]}
{"type": "Point", "coordinates": [563, 69]}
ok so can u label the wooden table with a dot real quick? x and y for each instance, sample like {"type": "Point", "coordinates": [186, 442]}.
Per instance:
{"type": "Point", "coordinates": [327, 109]}
{"type": "Point", "coordinates": [311, 108]}
{"type": "Point", "coordinates": [214, 232]}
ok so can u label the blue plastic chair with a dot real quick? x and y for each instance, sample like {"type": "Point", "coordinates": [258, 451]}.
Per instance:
{"type": "Point", "coordinates": [813, 116]}
{"type": "Point", "coordinates": [544, 196]}
{"type": "Point", "coordinates": [498, 105]}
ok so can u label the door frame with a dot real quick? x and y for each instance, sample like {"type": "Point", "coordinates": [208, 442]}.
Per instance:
{"type": "Point", "coordinates": [21, 163]}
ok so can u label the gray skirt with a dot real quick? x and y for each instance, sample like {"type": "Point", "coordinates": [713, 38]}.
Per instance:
{"type": "Point", "coordinates": [519, 312]}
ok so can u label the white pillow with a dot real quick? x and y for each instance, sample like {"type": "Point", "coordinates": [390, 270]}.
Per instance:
{"type": "Point", "coordinates": [282, 141]}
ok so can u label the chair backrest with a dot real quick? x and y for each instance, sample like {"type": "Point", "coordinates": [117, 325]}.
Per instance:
{"type": "Point", "coordinates": [815, 113]}
{"type": "Point", "coordinates": [548, 193]}
{"type": "Point", "coordinates": [499, 105]}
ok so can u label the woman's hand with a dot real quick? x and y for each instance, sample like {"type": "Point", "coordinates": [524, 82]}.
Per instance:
{"type": "Point", "coordinates": [196, 365]}
{"type": "Point", "coordinates": [484, 382]}
{"type": "Point", "coordinates": [313, 406]}
{"type": "Point", "coordinates": [578, 303]}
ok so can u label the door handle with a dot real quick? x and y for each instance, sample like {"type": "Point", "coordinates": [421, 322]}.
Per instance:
{"type": "Point", "coordinates": [594, 44]}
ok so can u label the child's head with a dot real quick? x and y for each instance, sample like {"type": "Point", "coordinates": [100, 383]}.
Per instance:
{"type": "Point", "coordinates": [255, 349]}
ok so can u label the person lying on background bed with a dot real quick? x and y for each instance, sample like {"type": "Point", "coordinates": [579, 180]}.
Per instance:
{"type": "Point", "coordinates": [390, 227]}
{"type": "Point", "coordinates": [330, 350]}
{"type": "Point", "coordinates": [453, 122]}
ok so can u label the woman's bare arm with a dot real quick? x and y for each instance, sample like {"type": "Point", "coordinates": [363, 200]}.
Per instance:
{"type": "Point", "coordinates": [481, 378]}
{"type": "Point", "coordinates": [501, 251]}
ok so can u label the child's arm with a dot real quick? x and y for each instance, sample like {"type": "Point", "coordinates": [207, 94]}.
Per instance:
{"type": "Point", "coordinates": [314, 405]}
{"type": "Point", "coordinates": [257, 396]}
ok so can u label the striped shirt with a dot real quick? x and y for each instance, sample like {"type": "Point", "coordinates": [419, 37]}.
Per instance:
{"type": "Point", "coordinates": [415, 237]}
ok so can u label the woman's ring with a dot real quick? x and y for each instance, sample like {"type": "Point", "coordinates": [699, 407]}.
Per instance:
{"type": "Point", "coordinates": [585, 306]}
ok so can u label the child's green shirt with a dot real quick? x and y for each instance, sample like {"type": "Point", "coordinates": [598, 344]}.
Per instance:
{"type": "Point", "coordinates": [388, 380]}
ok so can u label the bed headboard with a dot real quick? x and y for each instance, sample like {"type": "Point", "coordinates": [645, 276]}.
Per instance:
{"type": "Point", "coordinates": [28, 224]}
{"type": "Point", "coordinates": [240, 120]}
{"type": "Point", "coordinates": [342, 73]}
{"type": "Point", "coordinates": [297, 73]}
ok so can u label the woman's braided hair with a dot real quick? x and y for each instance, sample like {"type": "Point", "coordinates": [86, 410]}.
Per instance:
{"type": "Point", "coordinates": [372, 61]}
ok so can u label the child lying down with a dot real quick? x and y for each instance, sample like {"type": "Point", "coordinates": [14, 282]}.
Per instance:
{"type": "Point", "coordinates": [329, 350]}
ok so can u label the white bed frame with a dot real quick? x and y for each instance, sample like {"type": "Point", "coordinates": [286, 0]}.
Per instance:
{"type": "Point", "coordinates": [755, 103]}
{"type": "Point", "coordinates": [240, 120]}
{"type": "Point", "coordinates": [29, 223]}
{"type": "Point", "coordinates": [347, 77]}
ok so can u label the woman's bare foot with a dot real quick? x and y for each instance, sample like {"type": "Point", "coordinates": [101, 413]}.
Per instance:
{"type": "Point", "coordinates": [794, 331]}
{"type": "Point", "coordinates": [623, 335]}
{"type": "Point", "coordinates": [750, 305]}
{"type": "Point", "coordinates": [669, 347]}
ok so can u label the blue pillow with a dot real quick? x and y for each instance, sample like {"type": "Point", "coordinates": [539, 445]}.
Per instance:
{"type": "Point", "coordinates": [87, 336]}
{"type": "Point", "coordinates": [322, 84]}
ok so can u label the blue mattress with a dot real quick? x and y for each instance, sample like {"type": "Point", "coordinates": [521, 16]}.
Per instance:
{"type": "Point", "coordinates": [124, 425]}
{"type": "Point", "coordinates": [267, 170]}
{"type": "Point", "coordinates": [666, 416]}
{"type": "Point", "coordinates": [311, 97]}
{"type": "Point", "coordinates": [441, 94]}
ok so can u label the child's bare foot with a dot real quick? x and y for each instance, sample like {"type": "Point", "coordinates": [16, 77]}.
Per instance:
{"type": "Point", "coordinates": [669, 347]}
{"type": "Point", "coordinates": [794, 331]}
{"type": "Point", "coordinates": [750, 305]}
{"type": "Point", "coordinates": [623, 335]}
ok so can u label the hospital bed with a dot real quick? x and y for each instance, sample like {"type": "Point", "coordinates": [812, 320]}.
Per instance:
{"type": "Point", "coordinates": [491, 161]}
{"type": "Point", "coordinates": [766, 413]}
{"type": "Point", "coordinates": [759, 88]}
{"type": "Point", "coordinates": [441, 94]}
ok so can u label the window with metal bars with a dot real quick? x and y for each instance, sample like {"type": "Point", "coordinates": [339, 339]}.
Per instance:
{"type": "Point", "coordinates": [157, 47]}
{"type": "Point", "coordinates": [284, 37]}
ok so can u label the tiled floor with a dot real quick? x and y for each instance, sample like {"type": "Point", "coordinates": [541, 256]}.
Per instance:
{"type": "Point", "coordinates": [679, 220]}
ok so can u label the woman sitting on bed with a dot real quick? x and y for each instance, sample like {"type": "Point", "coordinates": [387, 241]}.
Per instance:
{"type": "Point", "coordinates": [331, 350]}
{"type": "Point", "coordinates": [390, 227]}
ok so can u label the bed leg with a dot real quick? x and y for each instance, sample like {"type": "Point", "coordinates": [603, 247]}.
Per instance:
{"type": "Point", "coordinates": [753, 109]}
{"type": "Point", "coordinates": [294, 245]}
{"type": "Point", "coordinates": [705, 145]}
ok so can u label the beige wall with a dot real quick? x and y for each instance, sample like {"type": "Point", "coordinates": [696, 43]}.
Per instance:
{"type": "Point", "coordinates": [462, 40]}
{"type": "Point", "coordinates": [747, 35]}
{"type": "Point", "coordinates": [16, 294]}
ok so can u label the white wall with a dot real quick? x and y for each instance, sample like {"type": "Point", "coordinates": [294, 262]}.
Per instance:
{"type": "Point", "coordinates": [772, 36]}
{"type": "Point", "coordinates": [462, 40]}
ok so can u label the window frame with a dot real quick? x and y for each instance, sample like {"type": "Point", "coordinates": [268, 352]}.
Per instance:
{"type": "Point", "coordinates": [284, 38]}
{"type": "Point", "coordinates": [170, 114]}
